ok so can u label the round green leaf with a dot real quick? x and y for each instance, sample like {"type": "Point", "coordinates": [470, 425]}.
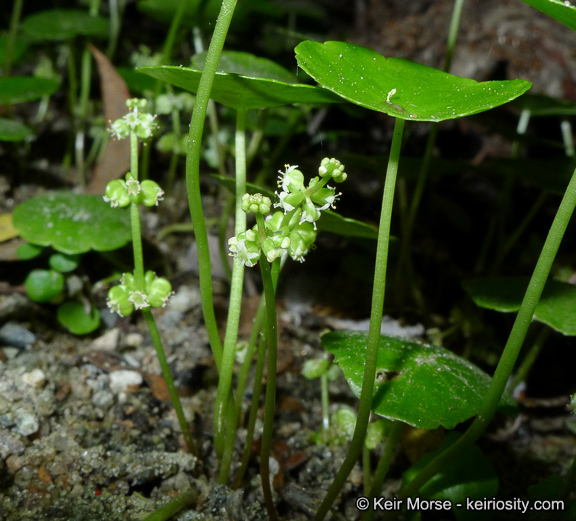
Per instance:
{"type": "Point", "coordinates": [246, 64]}
{"type": "Point", "coordinates": [243, 92]}
{"type": "Point", "coordinates": [61, 24]}
{"type": "Point", "coordinates": [556, 308]}
{"type": "Point", "coordinates": [20, 89]}
{"type": "Point", "coordinates": [13, 130]}
{"type": "Point", "coordinates": [44, 285]}
{"type": "Point", "coordinates": [72, 223]}
{"type": "Point", "coordinates": [28, 251]}
{"type": "Point", "coordinates": [74, 318]}
{"type": "Point", "coordinates": [423, 385]}
{"type": "Point", "coordinates": [399, 87]}
{"type": "Point", "coordinates": [63, 262]}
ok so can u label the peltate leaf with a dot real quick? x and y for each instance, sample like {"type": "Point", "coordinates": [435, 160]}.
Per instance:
{"type": "Point", "coordinates": [423, 385]}
{"type": "Point", "coordinates": [20, 89]}
{"type": "Point", "coordinates": [61, 24]}
{"type": "Point", "coordinates": [399, 87]}
{"type": "Point", "coordinates": [556, 308]}
{"type": "Point", "coordinates": [72, 223]}
{"type": "Point", "coordinates": [243, 92]}
{"type": "Point", "coordinates": [13, 130]}
{"type": "Point", "coordinates": [74, 318]}
{"type": "Point", "coordinates": [248, 65]}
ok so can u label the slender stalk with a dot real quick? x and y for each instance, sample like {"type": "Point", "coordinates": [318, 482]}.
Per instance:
{"type": "Point", "coordinates": [13, 31]}
{"type": "Point", "coordinates": [512, 348]}
{"type": "Point", "coordinates": [530, 357]}
{"type": "Point", "coordinates": [270, 404]}
{"type": "Point", "coordinates": [224, 418]}
{"type": "Point", "coordinates": [453, 33]}
{"type": "Point", "coordinates": [254, 405]}
{"type": "Point", "coordinates": [140, 285]}
{"type": "Point", "coordinates": [259, 322]}
{"type": "Point", "coordinates": [384, 464]}
{"type": "Point", "coordinates": [325, 402]}
{"type": "Point", "coordinates": [167, 374]}
{"type": "Point", "coordinates": [193, 173]}
{"type": "Point", "coordinates": [375, 325]}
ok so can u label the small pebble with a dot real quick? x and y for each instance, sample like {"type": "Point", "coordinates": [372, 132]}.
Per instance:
{"type": "Point", "coordinates": [122, 380]}
{"type": "Point", "coordinates": [108, 341]}
{"type": "Point", "coordinates": [35, 378]}
{"type": "Point", "coordinates": [103, 399]}
{"type": "Point", "coordinates": [133, 340]}
{"type": "Point", "coordinates": [25, 423]}
{"type": "Point", "coordinates": [14, 335]}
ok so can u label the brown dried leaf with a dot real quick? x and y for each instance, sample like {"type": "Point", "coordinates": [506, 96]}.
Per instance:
{"type": "Point", "coordinates": [116, 158]}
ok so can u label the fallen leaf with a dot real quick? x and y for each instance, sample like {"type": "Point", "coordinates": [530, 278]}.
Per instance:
{"type": "Point", "coordinates": [116, 158]}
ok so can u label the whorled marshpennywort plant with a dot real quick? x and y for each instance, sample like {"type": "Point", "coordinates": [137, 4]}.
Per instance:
{"type": "Point", "coordinates": [141, 290]}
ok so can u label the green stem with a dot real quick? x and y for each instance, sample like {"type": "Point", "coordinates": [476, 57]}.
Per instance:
{"type": "Point", "coordinates": [254, 405]}
{"type": "Point", "coordinates": [139, 280]}
{"type": "Point", "coordinates": [259, 321]}
{"type": "Point", "coordinates": [513, 346]}
{"type": "Point", "coordinates": [325, 401]}
{"type": "Point", "coordinates": [167, 374]}
{"type": "Point", "coordinates": [453, 33]}
{"type": "Point", "coordinates": [224, 417]}
{"type": "Point", "coordinates": [174, 506]}
{"type": "Point", "coordinates": [270, 403]}
{"type": "Point", "coordinates": [193, 173]}
{"type": "Point", "coordinates": [384, 464]}
{"type": "Point", "coordinates": [13, 31]}
{"type": "Point", "coordinates": [366, 469]}
{"type": "Point", "coordinates": [375, 325]}
{"type": "Point", "coordinates": [530, 357]}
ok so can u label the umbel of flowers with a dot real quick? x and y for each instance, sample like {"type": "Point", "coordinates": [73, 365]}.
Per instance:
{"type": "Point", "coordinates": [292, 229]}
{"type": "Point", "coordinates": [150, 291]}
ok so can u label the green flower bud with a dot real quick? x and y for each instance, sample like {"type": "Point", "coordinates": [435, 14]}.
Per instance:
{"type": "Point", "coordinates": [117, 193]}
{"type": "Point", "coordinates": [129, 281]}
{"type": "Point", "coordinates": [136, 103]}
{"type": "Point", "coordinates": [334, 168]}
{"type": "Point", "coordinates": [151, 193]}
{"type": "Point", "coordinates": [345, 422]}
{"type": "Point", "coordinates": [256, 203]}
{"type": "Point", "coordinates": [158, 291]}
{"type": "Point", "coordinates": [118, 301]}
{"type": "Point", "coordinates": [315, 368]}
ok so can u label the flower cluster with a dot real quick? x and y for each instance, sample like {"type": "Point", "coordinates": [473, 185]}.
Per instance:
{"type": "Point", "coordinates": [291, 231]}
{"type": "Point", "coordinates": [142, 123]}
{"type": "Point", "coordinates": [120, 193]}
{"type": "Point", "coordinates": [125, 298]}
{"type": "Point", "coordinates": [316, 197]}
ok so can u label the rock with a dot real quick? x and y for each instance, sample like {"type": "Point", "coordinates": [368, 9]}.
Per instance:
{"type": "Point", "coordinates": [123, 380]}
{"type": "Point", "coordinates": [25, 423]}
{"type": "Point", "coordinates": [35, 378]}
{"type": "Point", "coordinates": [13, 334]}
